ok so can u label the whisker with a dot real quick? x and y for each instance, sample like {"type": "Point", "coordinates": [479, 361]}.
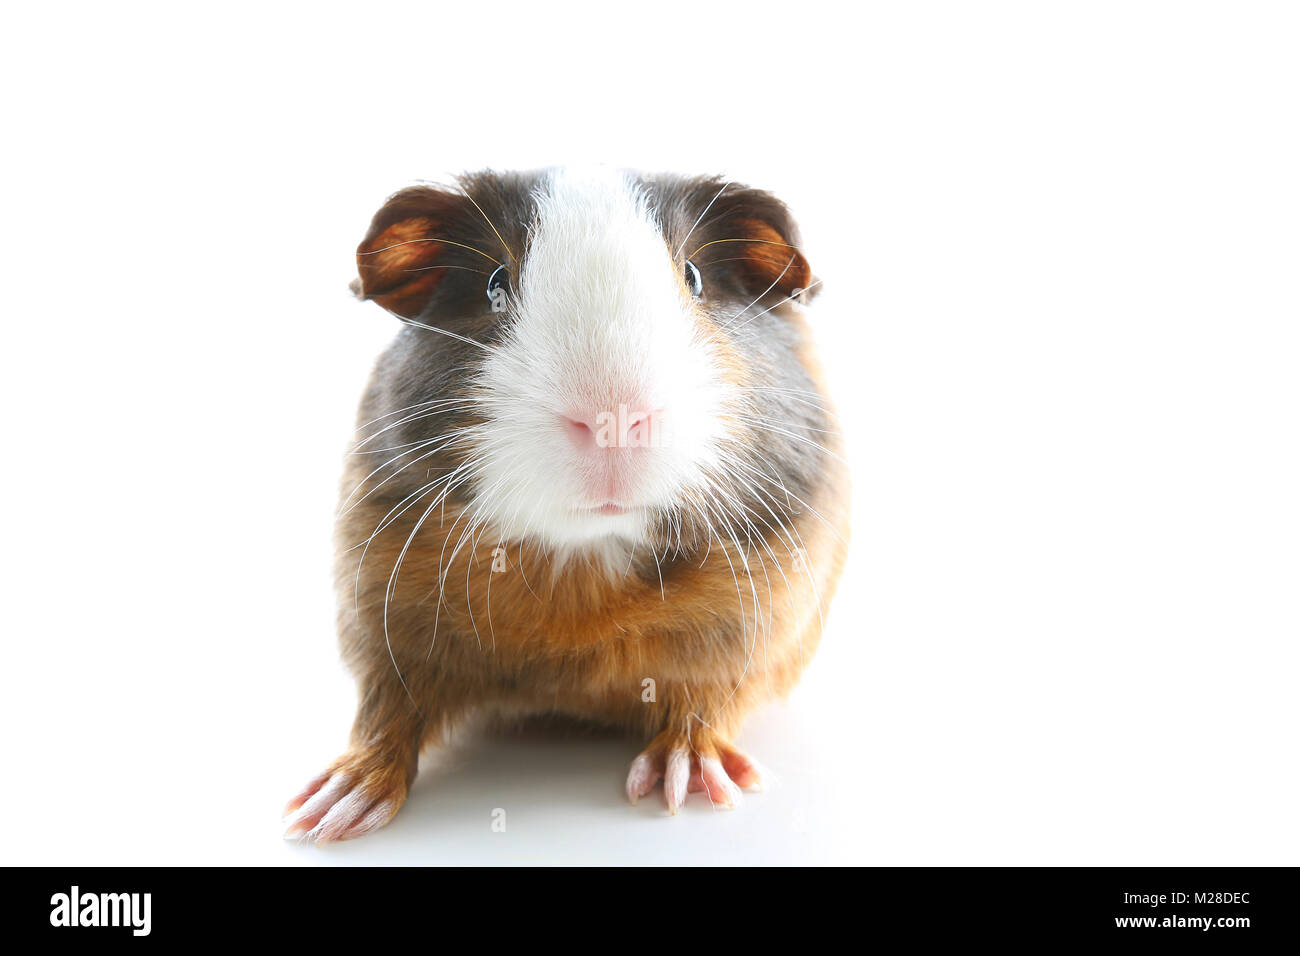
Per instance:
{"type": "Point", "coordinates": [491, 225]}
{"type": "Point", "coordinates": [397, 411]}
{"type": "Point", "coordinates": [760, 296]}
{"type": "Point", "coordinates": [765, 242]}
{"type": "Point", "coordinates": [790, 434]}
{"type": "Point", "coordinates": [447, 442]}
{"type": "Point", "coordinates": [445, 404]}
{"type": "Point", "coordinates": [695, 224]}
{"type": "Point", "coordinates": [407, 242]}
{"type": "Point", "coordinates": [776, 305]}
{"type": "Point", "coordinates": [462, 268]}
{"type": "Point", "coordinates": [454, 335]}
{"type": "Point", "coordinates": [758, 419]}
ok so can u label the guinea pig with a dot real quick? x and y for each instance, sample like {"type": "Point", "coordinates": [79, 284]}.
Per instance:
{"type": "Point", "coordinates": [596, 476]}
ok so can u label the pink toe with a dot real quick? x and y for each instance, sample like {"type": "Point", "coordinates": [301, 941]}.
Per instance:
{"type": "Point", "coordinates": [743, 770]}
{"type": "Point", "coordinates": [722, 791]}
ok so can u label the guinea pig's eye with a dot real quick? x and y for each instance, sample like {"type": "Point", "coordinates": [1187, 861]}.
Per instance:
{"type": "Point", "coordinates": [497, 288]}
{"type": "Point", "coordinates": [694, 281]}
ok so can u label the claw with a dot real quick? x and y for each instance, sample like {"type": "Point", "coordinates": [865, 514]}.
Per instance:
{"type": "Point", "coordinates": [708, 765]}
{"type": "Point", "coordinates": [676, 777]}
{"type": "Point", "coordinates": [641, 778]}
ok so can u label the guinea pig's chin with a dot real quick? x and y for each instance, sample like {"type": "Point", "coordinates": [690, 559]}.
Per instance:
{"type": "Point", "coordinates": [589, 526]}
{"type": "Point", "coordinates": [578, 528]}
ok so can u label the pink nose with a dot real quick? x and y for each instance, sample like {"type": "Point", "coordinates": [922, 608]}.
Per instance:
{"type": "Point", "coordinates": [615, 428]}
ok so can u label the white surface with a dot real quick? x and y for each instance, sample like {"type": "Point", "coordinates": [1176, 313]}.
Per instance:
{"type": "Point", "coordinates": [1060, 250]}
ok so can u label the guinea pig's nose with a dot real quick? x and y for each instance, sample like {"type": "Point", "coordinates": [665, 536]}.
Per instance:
{"type": "Point", "coordinates": [580, 430]}
{"type": "Point", "coordinates": [613, 428]}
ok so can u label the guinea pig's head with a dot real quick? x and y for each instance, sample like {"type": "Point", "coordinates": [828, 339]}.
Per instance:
{"type": "Point", "coordinates": [606, 359]}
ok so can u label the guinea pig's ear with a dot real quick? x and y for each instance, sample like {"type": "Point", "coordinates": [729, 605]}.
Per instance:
{"type": "Point", "coordinates": [751, 238]}
{"type": "Point", "coordinates": [399, 260]}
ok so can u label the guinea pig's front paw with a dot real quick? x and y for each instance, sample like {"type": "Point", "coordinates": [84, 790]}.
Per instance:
{"type": "Point", "coordinates": [359, 792]}
{"type": "Point", "coordinates": [702, 762]}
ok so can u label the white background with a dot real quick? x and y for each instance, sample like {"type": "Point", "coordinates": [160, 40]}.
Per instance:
{"type": "Point", "coordinates": [1060, 247]}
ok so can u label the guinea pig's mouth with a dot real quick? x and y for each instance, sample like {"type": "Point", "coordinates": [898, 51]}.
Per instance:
{"type": "Point", "coordinates": [610, 509]}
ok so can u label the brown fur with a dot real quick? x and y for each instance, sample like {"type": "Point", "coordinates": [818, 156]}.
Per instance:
{"type": "Point", "coordinates": [762, 255]}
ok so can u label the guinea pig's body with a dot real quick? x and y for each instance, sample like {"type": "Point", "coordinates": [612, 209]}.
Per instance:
{"type": "Point", "coordinates": [596, 475]}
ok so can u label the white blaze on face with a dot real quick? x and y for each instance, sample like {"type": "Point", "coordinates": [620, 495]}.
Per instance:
{"type": "Point", "coordinates": [604, 399]}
